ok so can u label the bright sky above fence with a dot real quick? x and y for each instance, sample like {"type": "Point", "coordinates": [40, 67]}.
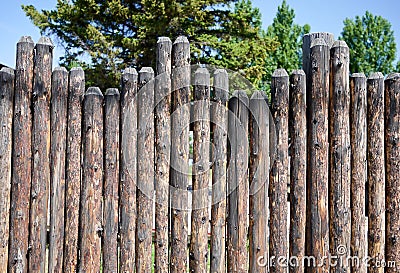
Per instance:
{"type": "Point", "coordinates": [321, 15]}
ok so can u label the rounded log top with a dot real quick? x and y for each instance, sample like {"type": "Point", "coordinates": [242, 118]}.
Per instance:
{"type": "Point", "coordinates": [220, 71]}
{"type": "Point", "coordinates": [202, 70]}
{"type": "Point", "coordinates": [259, 95]}
{"type": "Point", "coordinates": [280, 72]}
{"type": "Point", "coordinates": [112, 92]}
{"type": "Point", "coordinates": [340, 43]}
{"type": "Point", "coordinates": [146, 70]}
{"type": "Point", "coordinates": [7, 70]}
{"type": "Point", "coordinates": [45, 41]}
{"type": "Point", "coordinates": [298, 72]}
{"type": "Point", "coordinates": [26, 39]}
{"type": "Point", "coordinates": [318, 42]}
{"type": "Point", "coordinates": [130, 70]}
{"type": "Point", "coordinates": [242, 96]}
{"type": "Point", "coordinates": [95, 91]}
{"type": "Point", "coordinates": [77, 69]}
{"type": "Point", "coordinates": [318, 34]}
{"type": "Point", "coordinates": [375, 75]}
{"type": "Point", "coordinates": [181, 39]}
{"type": "Point", "coordinates": [393, 76]}
{"type": "Point", "coordinates": [358, 75]}
{"type": "Point", "coordinates": [60, 69]}
{"type": "Point", "coordinates": [163, 39]}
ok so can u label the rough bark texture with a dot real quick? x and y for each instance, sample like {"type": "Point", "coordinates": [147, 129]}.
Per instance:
{"type": "Point", "coordinates": [180, 120]}
{"type": "Point", "coordinates": [127, 187]}
{"type": "Point", "coordinates": [7, 78]}
{"type": "Point", "coordinates": [163, 150]}
{"type": "Point", "coordinates": [392, 145]}
{"type": "Point", "coordinates": [91, 224]}
{"type": "Point", "coordinates": [259, 181]}
{"type": "Point", "coordinates": [339, 138]}
{"type": "Point", "coordinates": [238, 188]}
{"type": "Point", "coordinates": [198, 252]}
{"type": "Point", "coordinates": [58, 120]}
{"type": "Point", "coordinates": [376, 170]}
{"type": "Point", "coordinates": [358, 140]}
{"type": "Point", "coordinates": [298, 167]}
{"type": "Point", "coordinates": [317, 225]}
{"type": "Point", "coordinates": [279, 170]}
{"type": "Point", "coordinates": [41, 155]}
{"type": "Point", "coordinates": [73, 169]}
{"type": "Point", "coordinates": [111, 180]}
{"type": "Point", "coordinates": [219, 123]}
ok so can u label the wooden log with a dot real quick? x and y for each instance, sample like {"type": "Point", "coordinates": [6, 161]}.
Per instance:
{"type": "Point", "coordinates": [238, 188]}
{"type": "Point", "coordinates": [7, 77]}
{"type": "Point", "coordinates": [58, 126]}
{"type": "Point", "coordinates": [298, 168]}
{"type": "Point", "coordinates": [21, 162]}
{"type": "Point", "coordinates": [392, 148]}
{"type": "Point", "coordinates": [76, 90]}
{"type": "Point", "coordinates": [376, 170]}
{"type": "Point", "coordinates": [91, 224]}
{"type": "Point", "coordinates": [111, 180]}
{"type": "Point", "coordinates": [163, 151]}
{"type": "Point", "coordinates": [339, 138]}
{"type": "Point", "coordinates": [317, 225]}
{"type": "Point", "coordinates": [279, 170]}
{"type": "Point", "coordinates": [41, 155]}
{"type": "Point", "coordinates": [259, 182]}
{"type": "Point", "coordinates": [358, 140]}
{"type": "Point", "coordinates": [180, 120]}
{"type": "Point", "coordinates": [198, 253]}
{"type": "Point", "coordinates": [219, 123]}
{"type": "Point", "coordinates": [128, 165]}
{"type": "Point", "coordinates": [145, 176]}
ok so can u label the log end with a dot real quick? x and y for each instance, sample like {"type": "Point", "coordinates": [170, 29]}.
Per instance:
{"type": "Point", "coordinates": [130, 71]}
{"type": "Point", "coordinates": [340, 44]}
{"type": "Point", "coordinates": [202, 76]}
{"type": "Point", "coordinates": [93, 91]}
{"type": "Point", "coordinates": [163, 40]}
{"type": "Point", "coordinates": [375, 76]}
{"type": "Point", "coordinates": [112, 92]}
{"type": "Point", "coordinates": [318, 42]}
{"type": "Point", "coordinates": [26, 39]}
{"type": "Point", "coordinates": [60, 69]}
{"type": "Point", "coordinates": [395, 76]}
{"type": "Point", "coordinates": [46, 41]}
{"type": "Point", "coordinates": [280, 72]}
{"type": "Point", "coordinates": [259, 95]}
{"type": "Point", "coordinates": [146, 70]}
{"type": "Point", "coordinates": [299, 72]}
{"type": "Point", "coordinates": [358, 75]}
{"type": "Point", "coordinates": [181, 40]}
{"type": "Point", "coordinates": [242, 96]}
{"type": "Point", "coordinates": [7, 70]}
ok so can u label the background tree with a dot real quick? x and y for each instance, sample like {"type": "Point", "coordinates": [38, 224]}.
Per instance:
{"type": "Point", "coordinates": [107, 36]}
{"type": "Point", "coordinates": [371, 42]}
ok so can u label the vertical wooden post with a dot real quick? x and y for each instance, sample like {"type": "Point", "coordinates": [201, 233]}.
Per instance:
{"type": "Point", "coordinates": [7, 78]}
{"type": "Point", "coordinates": [339, 138]}
{"type": "Point", "coordinates": [58, 126]}
{"type": "Point", "coordinates": [358, 140]}
{"type": "Point", "coordinates": [259, 181]}
{"type": "Point", "coordinates": [91, 226]}
{"type": "Point", "coordinates": [145, 176]}
{"type": "Point", "coordinates": [376, 170]}
{"type": "Point", "coordinates": [198, 255]}
{"type": "Point", "coordinates": [392, 145]}
{"type": "Point", "coordinates": [298, 167]}
{"type": "Point", "coordinates": [317, 145]}
{"type": "Point", "coordinates": [127, 187]}
{"type": "Point", "coordinates": [41, 155]}
{"type": "Point", "coordinates": [238, 188]}
{"type": "Point", "coordinates": [111, 180]}
{"type": "Point", "coordinates": [180, 120]}
{"type": "Point", "coordinates": [219, 123]}
{"type": "Point", "coordinates": [163, 150]}
{"type": "Point", "coordinates": [76, 89]}
{"type": "Point", "coordinates": [279, 170]}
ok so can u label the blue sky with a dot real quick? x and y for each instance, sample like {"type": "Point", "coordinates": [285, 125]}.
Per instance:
{"type": "Point", "coordinates": [320, 15]}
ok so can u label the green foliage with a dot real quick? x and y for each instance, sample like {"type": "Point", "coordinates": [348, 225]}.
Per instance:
{"type": "Point", "coordinates": [108, 36]}
{"type": "Point", "coordinates": [371, 42]}
{"type": "Point", "coordinates": [398, 66]}
{"type": "Point", "coordinates": [289, 37]}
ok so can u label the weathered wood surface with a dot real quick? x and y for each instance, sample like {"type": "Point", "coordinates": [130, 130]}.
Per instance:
{"type": "Point", "coordinates": [317, 226]}
{"type": "Point", "coordinates": [145, 176]}
{"type": "Point", "coordinates": [279, 169]}
{"type": "Point", "coordinates": [358, 140]}
{"type": "Point", "coordinates": [298, 167]}
{"type": "Point", "coordinates": [76, 90]}
{"type": "Point", "coordinates": [238, 188]}
{"type": "Point", "coordinates": [339, 138]}
{"type": "Point", "coordinates": [41, 155]}
{"type": "Point", "coordinates": [180, 120]}
{"type": "Point", "coordinates": [198, 251]}
{"type": "Point", "coordinates": [111, 180]}
{"type": "Point", "coordinates": [91, 214]}
{"type": "Point", "coordinates": [392, 148]}
{"type": "Point", "coordinates": [163, 150]}
{"type": "Point", "coordinates": [128, 166]}
{"type": "Point", "coordinates": [259, 182]}
{"type": "Point", "coordinates": [58, 142]}
{"type": "Point", "coordinates": [219, 123]}
{"type": "Point", "coordinates": [7, 77]}
{"type": "Point", "coordinates": [376, 170]}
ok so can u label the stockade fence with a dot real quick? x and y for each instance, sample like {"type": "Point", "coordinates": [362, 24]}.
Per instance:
{"type": "Point", "coordinates": [86, 178]}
